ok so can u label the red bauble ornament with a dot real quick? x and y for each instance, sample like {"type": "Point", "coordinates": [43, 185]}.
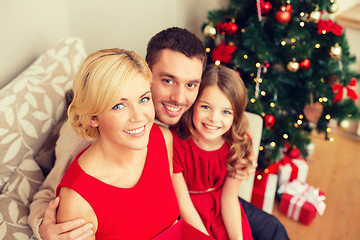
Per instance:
{"type": "Point", "coordinates": [230, 28]}
{"type": "Point", "coordinates": [305, 64]}
{"type": "Point", "coordinates": [227, 27]}
{"type": "Point", "coordinates": [283, 16]}
{"type": "Point", "coordinates": [269, 120]}
{"type": "Point", "coordinates": [294, 152]}
{"type": "Point", "coordinates": [265, 7]}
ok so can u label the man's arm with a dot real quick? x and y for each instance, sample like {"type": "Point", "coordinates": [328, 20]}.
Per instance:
{"type": "Point", "coordinates": [42, 217]}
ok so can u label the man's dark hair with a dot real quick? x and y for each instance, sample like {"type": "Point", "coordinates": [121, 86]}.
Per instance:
{"type": "Point", "coordinates": [178, 40]}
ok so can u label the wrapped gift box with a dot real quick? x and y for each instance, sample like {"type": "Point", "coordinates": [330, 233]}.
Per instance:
{"type": "Point", "coordinates": [301, 202]}
{"type": "Point", "coordinates": [182, 230]}
{"type": "Point", "coordinates": [292, 168]}
{"type": "Point", "coordinates": [263, 194]}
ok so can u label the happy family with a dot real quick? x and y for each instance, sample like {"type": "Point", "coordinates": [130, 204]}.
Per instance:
{"type": "Point", "coordinates": [150, 141]}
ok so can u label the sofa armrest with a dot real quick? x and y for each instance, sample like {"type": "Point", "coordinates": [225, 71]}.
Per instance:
{"type": "Point", "coordinates": [255, 131]}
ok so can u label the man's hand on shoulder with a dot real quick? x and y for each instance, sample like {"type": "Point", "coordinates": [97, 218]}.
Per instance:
{"type": "Point", "coordinates": [71, 230]}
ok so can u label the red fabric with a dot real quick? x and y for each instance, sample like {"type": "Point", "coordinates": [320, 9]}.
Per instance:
{"type": "Point", "coordinates": [140, 212]}
{"type": "Point", "coordinates": [204, 170]}
{"type": "Point", "coordinates": [182, 230]}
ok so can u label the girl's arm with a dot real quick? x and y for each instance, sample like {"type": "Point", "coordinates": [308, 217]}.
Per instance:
{"type": "Point", "coordinates": [188, 211]}
{"type": "Point", "coordinates": [230, 208]}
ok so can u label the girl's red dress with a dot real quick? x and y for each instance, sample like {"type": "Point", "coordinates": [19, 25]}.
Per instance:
{"type": "Point", "coordinates": [204, 173]}
{"type": "Point", "coordinates": [140, 212]}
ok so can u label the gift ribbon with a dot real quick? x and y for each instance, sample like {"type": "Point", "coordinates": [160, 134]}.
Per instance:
{"type": "Point", "coordinates": [286, 160]}
{"type": "Point", "coordinates": [302, 193]}
{"type": "Point", "coordinates": [345, 91]}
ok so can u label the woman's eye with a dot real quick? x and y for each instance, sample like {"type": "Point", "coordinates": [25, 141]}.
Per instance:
{"type": "Point", "coordinates": [227, 112]}
{"type": "Point", "coordinates": [144, 100]}
{"type": "Point", "coordinates": [205, 107]}
{"type": "Point", "coordinates": [118, 106]}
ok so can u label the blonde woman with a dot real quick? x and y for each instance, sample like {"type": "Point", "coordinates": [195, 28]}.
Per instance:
{"type": "Point", "coordinates": [121, 183]}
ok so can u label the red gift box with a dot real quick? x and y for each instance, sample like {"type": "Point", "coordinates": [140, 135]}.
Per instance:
{"type": "Point", "coordinates": [182, 230]}
{"type": "Point", "coordinates": [292, 168]}
{"type": "Point", "coordinates": [301, 202]}
{"type": "Point", "coordinates": [263, 194]}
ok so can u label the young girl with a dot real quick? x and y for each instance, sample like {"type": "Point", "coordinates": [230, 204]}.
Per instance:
{"type": "Point", "coordinates": [211, 137]}
{"type": "Point", "coordinates": [122, 182]}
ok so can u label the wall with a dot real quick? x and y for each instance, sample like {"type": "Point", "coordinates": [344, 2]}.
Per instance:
{"type": "Point", "coordinates": [27, 28]}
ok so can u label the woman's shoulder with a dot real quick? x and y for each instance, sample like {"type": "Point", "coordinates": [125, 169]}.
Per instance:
{"type": "Point", "coordinates": [72, 206]}
{"type": "Point", "coordinates": [166, 133]}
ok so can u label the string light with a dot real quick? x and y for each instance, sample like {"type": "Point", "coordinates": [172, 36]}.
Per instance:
{"type": "Point", "coordinates": [285, 136]}
{"type": "Point", "coordinates": [263, 93]}
{"type": "Point", "coordinates": [252, 100]}
{"type": "Point", "coordinates": [299, 122]}
{"type": "Point", "coordinates": [283, 43]}
{"type": "Point", "coordinates": [317, 45]}
{"type": "Point", "coordinates": [301, 116]}
{"type": "Point", "coordinates": [272, 104]}
{"type": "Point", "coordinates": [328, 130]}
{"type": "Point", "coordinates": [273, 144]}
{"type": "Point", "coordinates": [217, 62]}
{"type": "Point", "coordinates": [293, 40]}
{"type": "Point", "coordinates": [261, 148]}
{"type": "Point", "coordinates": [327, 117]}
{"type": "Point", "coordinates": [246, 56]}
{"type": "Point", "coordinates": [259, 177]}
{"type": "Point", "coordinates": [302, 24]}
{"type": "Point", "coordinates": [331, 139]}
{"type": "Point", "coordinates": [207, 50]}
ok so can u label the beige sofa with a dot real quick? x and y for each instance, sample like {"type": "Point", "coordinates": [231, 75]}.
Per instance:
{"type": "Point", "coordinates": [32, 108]}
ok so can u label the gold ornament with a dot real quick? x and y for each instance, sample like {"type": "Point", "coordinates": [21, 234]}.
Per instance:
{"type": "Point", "coordinates": [209, 31]}
{"type": "Point", "coordinates": [335, 51]}
{"type": "Point", "coordinates": [333, 8]}
{"type": "Point", "coordinates": [315, 16]}
{"type": "Point", "coordinates": [293, 66]}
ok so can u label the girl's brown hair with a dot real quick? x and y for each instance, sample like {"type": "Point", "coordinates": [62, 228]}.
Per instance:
{"type": "Point", "coordinates": [232, 86]}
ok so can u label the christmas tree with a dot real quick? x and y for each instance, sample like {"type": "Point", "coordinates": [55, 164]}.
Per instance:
{"type": "Point", "coordinates": [294, 60]}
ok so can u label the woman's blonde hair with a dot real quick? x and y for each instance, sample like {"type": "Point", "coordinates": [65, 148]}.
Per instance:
{"type": "Point", "coordinates": [232, 86]}
{"type": "Point", "coordinates": [99, 84]}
